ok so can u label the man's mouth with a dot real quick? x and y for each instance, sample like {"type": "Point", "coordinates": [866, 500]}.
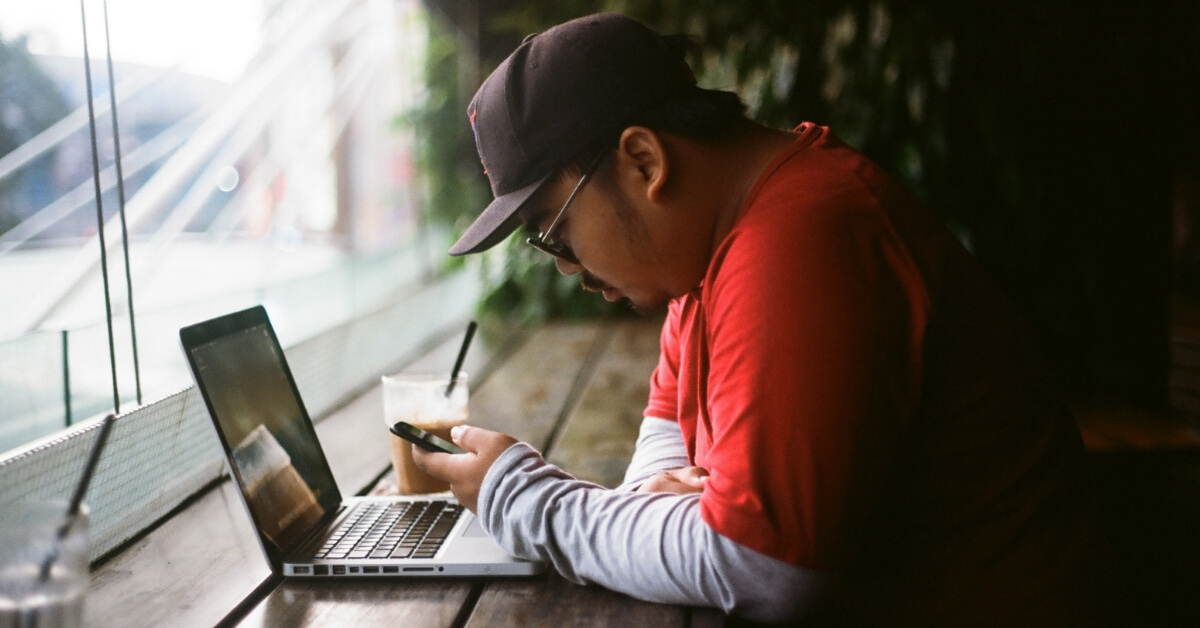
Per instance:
{"type": "Point", "coordinates": [591, 283]}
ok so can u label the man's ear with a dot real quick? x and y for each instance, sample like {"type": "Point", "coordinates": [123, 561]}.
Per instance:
{"type": "Point", "coordinates": [644, 161]}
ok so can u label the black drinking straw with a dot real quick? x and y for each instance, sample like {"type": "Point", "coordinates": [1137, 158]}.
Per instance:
{"type": "Point", "coordinates": [462, 354]}
{"type": "Point", "coordinates": [77, 499]}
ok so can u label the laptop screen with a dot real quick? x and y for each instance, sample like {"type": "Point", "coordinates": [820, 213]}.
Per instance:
{"type": "Point", "coordinates": [266, 432]}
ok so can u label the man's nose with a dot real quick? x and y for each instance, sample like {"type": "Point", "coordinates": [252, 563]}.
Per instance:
{"type": "Point", "coordinates": [567, 268]}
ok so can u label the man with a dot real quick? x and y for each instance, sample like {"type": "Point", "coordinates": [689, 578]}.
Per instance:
{"type": "Point", "coordinates": [848, 423]}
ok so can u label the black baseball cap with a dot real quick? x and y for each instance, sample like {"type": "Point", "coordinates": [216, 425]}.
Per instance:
{"type": "Point", "coordinates": [556, 95]}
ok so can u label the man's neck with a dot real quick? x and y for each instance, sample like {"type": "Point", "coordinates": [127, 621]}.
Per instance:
{"type": "Point", "coordinates": [710, 183]}
{"type": "Point", "coordinates": [744, 158]}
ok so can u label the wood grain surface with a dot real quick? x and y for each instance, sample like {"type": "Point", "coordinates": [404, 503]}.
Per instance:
{"type": "Point", "coordinates": [597, 439]}
{"type": "Point", "coordinates": [549, 600]}
{"type": "Point", "coordinates": [576, 391]}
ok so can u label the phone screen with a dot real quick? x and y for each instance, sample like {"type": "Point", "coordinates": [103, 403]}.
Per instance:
{"type": "Point", "coordinates": [425, 440]}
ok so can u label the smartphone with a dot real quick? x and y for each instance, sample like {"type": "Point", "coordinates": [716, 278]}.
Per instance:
{"type": "Point", "coordinates": [425, 440]}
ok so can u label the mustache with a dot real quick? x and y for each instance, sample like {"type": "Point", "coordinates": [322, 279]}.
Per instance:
{"type": "Point", "coordinates": [591, 282]}
{"type": "Point", "coordinates": [595, 284]}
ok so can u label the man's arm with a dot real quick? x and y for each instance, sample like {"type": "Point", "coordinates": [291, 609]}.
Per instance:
{"type": "Point", "coordinates": [659, 449]}
{"type": "Point", "coordinates": [653, 547]}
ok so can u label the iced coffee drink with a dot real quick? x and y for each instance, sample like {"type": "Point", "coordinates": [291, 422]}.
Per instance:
{"type": "Point", "coordinates": [421, 400]}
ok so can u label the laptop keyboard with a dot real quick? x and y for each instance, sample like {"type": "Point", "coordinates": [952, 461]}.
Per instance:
{"type": "Point", "coordinates": [392, 530]}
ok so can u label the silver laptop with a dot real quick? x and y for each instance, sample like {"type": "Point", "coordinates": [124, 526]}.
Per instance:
{"type": "Point", "coordinates": [305, 526]}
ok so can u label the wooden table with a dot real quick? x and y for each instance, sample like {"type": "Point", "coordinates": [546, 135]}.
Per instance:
{"type": "Point", "coordinates": [575, 391]}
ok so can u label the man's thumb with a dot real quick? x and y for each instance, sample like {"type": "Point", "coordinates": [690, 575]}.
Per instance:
{"type": "Point", "coordinates": [462, 435]}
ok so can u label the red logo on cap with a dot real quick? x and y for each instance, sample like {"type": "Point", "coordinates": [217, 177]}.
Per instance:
{"type": "Point", "coordinates": [475, 132]}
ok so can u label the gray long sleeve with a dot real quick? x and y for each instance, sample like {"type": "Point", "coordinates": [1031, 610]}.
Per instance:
{"type": "Point", "coordinates": [652, 546]}
{"type": "Point", "coordinates": [659, 448]}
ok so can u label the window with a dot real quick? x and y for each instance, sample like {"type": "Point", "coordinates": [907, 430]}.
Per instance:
{"type": "Point", "coordinates": [238, 152]}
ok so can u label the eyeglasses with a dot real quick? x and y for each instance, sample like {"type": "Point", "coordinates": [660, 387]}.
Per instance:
{"type": "Point", "coordinates": [543, 243]}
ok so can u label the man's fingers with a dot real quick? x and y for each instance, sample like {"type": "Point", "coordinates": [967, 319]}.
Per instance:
{"type": "Point", "coordinates": [465, 472]}
{"type": "Point", "coordinates": [436, 464]}
{"type": "Point", "coordinates": [683, 480]}
{"type": "Point", "coordinates": [471, 438]}
{"type": "Point", "coordinates": [664, 483]}
{"type": "Point", "coordinates": [480, 441]}
{"type": "Point", "coordinates": [655, 484]}
{"type": "Point", "coordinates": [463, 436]}
{"type": "Point", "coordinates": [442, 465]}
{"type": "Point", "coordinates": [694, 476]}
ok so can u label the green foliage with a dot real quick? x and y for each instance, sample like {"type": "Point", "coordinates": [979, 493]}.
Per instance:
{"type": "Point", "coordinates": [1042, 134]}
{"type": "Point", "coordinates": [518, 282]}
{"type": "Point", "coordinates": [855, 66]}
{"type": "Point", "coordinates": [524, 284]}
{"type": "Point", "coordinates": [455, 188]}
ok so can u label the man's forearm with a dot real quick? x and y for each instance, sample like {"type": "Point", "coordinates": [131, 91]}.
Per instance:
{"type": "Point", "coordinates": [659, 448]}
{"type": "Point", "coordinates": [654, 547]}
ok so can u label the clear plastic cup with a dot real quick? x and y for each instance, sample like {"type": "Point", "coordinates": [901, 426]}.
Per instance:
{"type": "Point", "coordinates": [420, 399]}
{"type": "Point", "coordinates": [30, 594]}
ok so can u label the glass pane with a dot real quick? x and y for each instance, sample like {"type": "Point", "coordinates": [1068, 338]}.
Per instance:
{"type": "Point", "coordinates": [259, 160]}
{"type": "Point", "coordinates": [32, 388]}
{"type": "Point", "coordinates": [46, 195]}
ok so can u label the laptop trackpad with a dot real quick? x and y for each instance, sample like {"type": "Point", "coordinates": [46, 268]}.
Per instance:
{"type": "Point", "coordinates": [474, 529]}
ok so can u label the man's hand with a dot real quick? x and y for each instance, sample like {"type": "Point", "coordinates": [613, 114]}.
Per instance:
{"type": "Point", "coordinates": [682, 481]}
{"type": "Point", "coordinates": [465, 472]}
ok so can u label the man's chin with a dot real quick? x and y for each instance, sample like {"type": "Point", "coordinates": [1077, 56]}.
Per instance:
{"type": "Point", "coordinates": [612, 295]}
{"type": "Point", "coordinates": [643, 307]}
